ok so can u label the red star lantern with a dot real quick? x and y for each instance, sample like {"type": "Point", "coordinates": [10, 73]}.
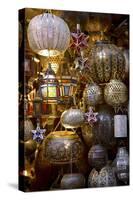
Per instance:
{"type": "Point", "coordinates": [79, 40]}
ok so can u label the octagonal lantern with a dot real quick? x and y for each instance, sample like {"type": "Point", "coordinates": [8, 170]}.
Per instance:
{"type": "Point", "coordinates": [48, 35]}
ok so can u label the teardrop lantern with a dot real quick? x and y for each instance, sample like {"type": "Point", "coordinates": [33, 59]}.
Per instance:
{"type": "Point", "coordinates": [105, 62]}
{"type": "Point", "coordinates": [62, 147]}
{"type": "Point", "coordinates": [92, 94]}
{"type": "Point", "coordinates": [72, 118]}
{"type": "Point", "coordinates": [115, 93]}
{"type": "Point", "coordinates": [48, 35]}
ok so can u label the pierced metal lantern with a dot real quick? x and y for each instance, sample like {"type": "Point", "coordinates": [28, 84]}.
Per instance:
{"type": "Point", "coordinates": [28, 127]}
{"type": "Point", "coordinates": [92, 94]}
{"type": "Point", "coordinates": [49, 87]}
{"type": "Point", "coordinates": [115, 93]}
{"type": "Point", "coordinates": [62, 147]}
{"type": "Point", "coordinates": [122, 165]}
{"type": "Point", "coordinates": [87, 134]}
{"type": "Point", "coordinates": [73, 181]}
{"type": "Point", "coordinates": [72, 118]}
{"type": "Point", "coordinates": [48, 35]}
{"type": "Point", "coordinates": [97, 156]}
{"type": "Point", "coordinates": [106, 61]}
{"type": "Point", "coordinates": [104, 178]}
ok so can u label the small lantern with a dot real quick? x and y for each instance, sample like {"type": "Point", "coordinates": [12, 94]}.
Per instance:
{"type": "Point", "coordinates": [49, 87]}
{"type": "Point", "coordinates": [68, 83]}
{"type": "Point", "coordinates": [37, 105]}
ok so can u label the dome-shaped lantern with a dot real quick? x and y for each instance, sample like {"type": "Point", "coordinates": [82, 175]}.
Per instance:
{"type": "Point", "coordinates": [106, 61]}
{"type": "Point", "coordinates": [48, 35]}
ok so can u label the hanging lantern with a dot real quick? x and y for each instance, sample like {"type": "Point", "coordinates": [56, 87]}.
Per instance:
{"type": "Point", "coordinates": [62, 147]}
{"type": "Point", "coordinates": [48, 35]}
{"type": "Point", "coordinates": [115, 93]}
{"type": "Point", "coordinates": [92, 94]}
{"type": "Point", "coordinates": [122, 165]}
{"type": "Point", "coordinates": [49, 87]}
{"type": "Point", "coordinates": [72, 118]}
{"type": "Point", "coordinates": [103, 129]}
{"type": "Point", "coordinates": [105, 62]}
{"type": "Point", "coordinates": [97, 156]}
{"type": "Point", "coordinates": [67, 82]}
{"type": "Point", "coordinates": [73, 181]}
{"type": "Point", "coordinates": [120, 126]}
{"type": "Point", "coordinates": [104, 178]}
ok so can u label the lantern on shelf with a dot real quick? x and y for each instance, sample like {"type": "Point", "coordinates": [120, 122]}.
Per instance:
{"type": "Point", "coordinates": [49, 87]}
{"type": "Point", "coordinates": [62, 147]}
{"type": "Point", "coordinates": [92, 94]}
{"type": "Point", "coordinates": [122, 165]}
{"type": "Point", "coordinates": [48, 35]}
{"type": "Point", "coordinates": [115, 93]}
{"type": "Point", "coordinates": [67, 82]}
{"type": "Point", "coordinates": [105, 62]}
{"type": "Point", "coordinates": [72, 118]}
{"type": "Point", "coordinates": [97, 156]}
{"type": "Point", "coordinates": [72, 181]}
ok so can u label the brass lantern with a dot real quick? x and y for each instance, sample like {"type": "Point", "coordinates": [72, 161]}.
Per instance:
{"type": "Point", "coordinates": [67, 82]}
{"type": "Point", "coordinates": [115, 93]}
{"type": "Point", "coordinates": [106, 61]}
{"type": "Point", "coordinates": [62, 147]}
{"type": "Point", "coordinates": [49, 87]}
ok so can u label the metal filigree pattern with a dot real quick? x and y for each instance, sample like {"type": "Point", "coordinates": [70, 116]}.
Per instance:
{"type": "Point", "coordinates": [115, 93]}
{"type": "Point", "coordinates": [106, 61]}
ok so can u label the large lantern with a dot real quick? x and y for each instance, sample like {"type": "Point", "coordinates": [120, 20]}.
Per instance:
{"type": "Point", "coordinates": [62, 147]}
{"type": "Point", "coordinates": [48, 35]}
{"type": "Point", "coordinates": [106, 61]}
{"type": "Point", "coordinates": [49, 87]}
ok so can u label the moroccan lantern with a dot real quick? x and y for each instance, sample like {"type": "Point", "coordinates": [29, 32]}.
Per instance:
{"type": "Point", "coordinates": [122, 165]}
{"type": "Point", "coordinates": [104, 178]}
{"type": "Point", "coordinates": [49, 87]}
{"type": "Point", "coordinates": [67, 82]}
{"type": "Point", "coordinates": [72, 118]}
{"type": "Point", "coordinates": [103, 129]}
{"type": "Point", "coordinates": [48, 35]}
{"type": "Point", "coordinates": [106, 61]}
{"type": "Point", "coordinates": [62, 147]}
{"type": "Point", "coordinates": [120, 126]}
{"type": "Point", "coordinates": [30, 147]}
{"type": "Point", "coordinates": [92, 94]}
{"type": "Point", "coordinates": [73, 181]}
{"type": "Point", "coordinates": [97, 156]}
{"type": "Point", "coordinates": [115, 93]}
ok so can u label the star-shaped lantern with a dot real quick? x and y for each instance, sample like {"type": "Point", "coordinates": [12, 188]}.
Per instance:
{"type": "Point", "coordinates": [81, 62]}
{"type": "Point", "coordinates": [79, 40]}
{"type": "Point", "coordinates": [91, 116]}
{"type": "Point", "coordinates": [38, 134]}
